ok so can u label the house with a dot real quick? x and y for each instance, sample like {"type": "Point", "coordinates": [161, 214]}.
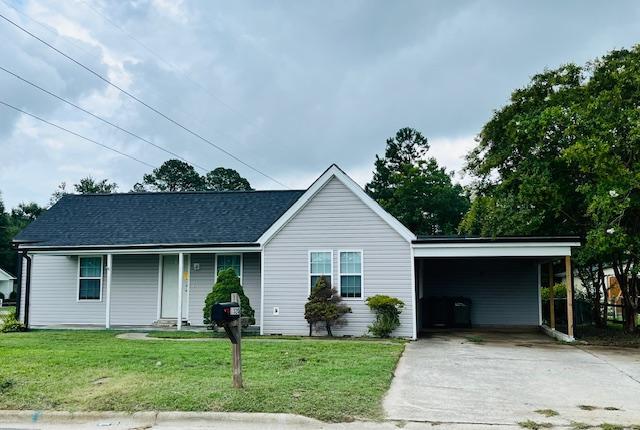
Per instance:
{"type": "Point", "coordinates": [137, 259]}
{"type": "Point", "coordinates": [6, 283]}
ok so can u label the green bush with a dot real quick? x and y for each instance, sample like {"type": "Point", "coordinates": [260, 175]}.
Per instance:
{"type": "Point", "coordinates": [559, 292]}
{"type": "Point", "coordinates": [1, 296]}
{"type": "Point", "coordinates": [387, 310]}
{"type": "Point", "coordinates": [324, 305]}
{"type": "Point", "coordinates": [228, 282]}
{"type": "Point", "coordinates": [9, 323]}
{"type": "Point", "coordinates": [13, 296]}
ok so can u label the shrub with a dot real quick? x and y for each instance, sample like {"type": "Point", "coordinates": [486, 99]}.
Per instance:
{"type": "Point", "coordinates": [387, 310]}
{"type": "Point", "coordinates": [13, 296]}
{"type": "Point", "coordinates": [9, 323]}
{"type": "Point", "coordinates": [228, 282]}
{"type": "Point", "coordinates": [559, 292]}
{"type": "Point", "coordinates": [1, 296]}
{"type": "Point", "coordinates": [324, 305]}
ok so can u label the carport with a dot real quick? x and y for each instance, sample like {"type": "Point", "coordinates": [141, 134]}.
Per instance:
{"type": "Point", "coordinates": [495, 281]}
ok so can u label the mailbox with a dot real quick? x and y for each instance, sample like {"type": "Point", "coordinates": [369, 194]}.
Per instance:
{"type": "Point", "coordinates": [223, 313]}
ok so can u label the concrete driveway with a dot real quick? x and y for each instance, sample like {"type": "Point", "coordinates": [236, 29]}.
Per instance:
{"type": "Point", "coordinates": [449, 378]}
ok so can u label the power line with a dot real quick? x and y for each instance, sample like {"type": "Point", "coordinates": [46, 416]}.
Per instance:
{"type": "Point", "coordinates": [159, 57]}
{"type": "Point", "coordinates": [107, 81]}
{"type": "Point", "coordinates": [110, 148]}
{"type": "Point", "coordinates": [101, 119]}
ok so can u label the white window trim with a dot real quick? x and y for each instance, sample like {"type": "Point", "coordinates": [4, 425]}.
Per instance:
{"type": "Point", "coordinates": [361, 274]}
{"type": "Point", "coordinates": [80, 257]}
{"type": "Point", "coordinates": [215, 265]}
{"type": "Point", "coordinates": [309, 274]}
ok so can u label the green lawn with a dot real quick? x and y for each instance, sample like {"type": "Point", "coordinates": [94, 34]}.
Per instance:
{"type": "Point", "coordinates": [333, 380]}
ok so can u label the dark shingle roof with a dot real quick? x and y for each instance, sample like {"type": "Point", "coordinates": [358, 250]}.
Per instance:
{"type": "Point", "coordinates": [158, 218]}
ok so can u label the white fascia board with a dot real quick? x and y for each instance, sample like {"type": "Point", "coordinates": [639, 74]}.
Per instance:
{"type": "Point", "coordinates": [335, 172]}
{"type": "Point", "coordinates": [527, 249]}
{"type": "Point", "coordinates": [4, 274]}
{"type": "Point", "coordinates": [134, 251]}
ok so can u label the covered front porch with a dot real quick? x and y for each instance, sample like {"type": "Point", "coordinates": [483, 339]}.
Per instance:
{"type": "Point", "coordinates": [125, 288]}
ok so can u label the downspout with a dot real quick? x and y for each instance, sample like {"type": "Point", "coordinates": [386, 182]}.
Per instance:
{"type": "Point", "coordinates": [27, 289]}
{"type": "Point", "coordinates": [19, 290]}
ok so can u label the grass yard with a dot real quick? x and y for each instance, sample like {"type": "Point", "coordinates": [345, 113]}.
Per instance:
{"type": "Point", "coordinates": [332, 380]}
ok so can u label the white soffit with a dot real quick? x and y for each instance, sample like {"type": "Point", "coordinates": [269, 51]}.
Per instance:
{"type": "Point", "coordinates": [497, 249]}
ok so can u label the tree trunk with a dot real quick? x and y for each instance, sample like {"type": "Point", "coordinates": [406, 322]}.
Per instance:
{"type": "Point", "coordinates": [629, 290]}
{"type": "Point", "coordinates": [329, 329]}
{"type": "Point", "coordinates": [310, 329]}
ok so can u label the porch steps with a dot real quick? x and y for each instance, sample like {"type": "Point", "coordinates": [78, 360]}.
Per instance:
{"type": "Point", "coordinates": [168, 323]}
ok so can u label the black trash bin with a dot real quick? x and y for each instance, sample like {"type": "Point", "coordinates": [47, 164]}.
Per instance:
{"type": "Point", "coordinates": [462, 312]}
{"type": "Point", "coordinates": [439, 312]}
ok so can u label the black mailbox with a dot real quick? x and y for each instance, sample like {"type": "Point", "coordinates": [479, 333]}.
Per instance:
{"type": "Point", "coordinates": [223, 313]}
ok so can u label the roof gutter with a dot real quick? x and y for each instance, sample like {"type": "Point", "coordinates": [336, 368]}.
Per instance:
{"type": "Point", "coordinates": [32, 246]}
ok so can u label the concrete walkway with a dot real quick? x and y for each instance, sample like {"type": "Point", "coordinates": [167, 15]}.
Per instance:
{"type": "Point", "coordinates": [502, 381]}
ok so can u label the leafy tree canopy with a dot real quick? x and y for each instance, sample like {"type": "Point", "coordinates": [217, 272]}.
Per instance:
{"type": "Point", "coordinates": [222, 179]}
{"type": "Point", "coordinates": [173, 175]}
{"type": "Point", "coordinates": [563, 157]}
{"type": "Point", "coordinates": [176, 175]}
{"type": "Point", "coordinates": [414, 188]}
{"type": "Point", "coordinates": [87, 185]}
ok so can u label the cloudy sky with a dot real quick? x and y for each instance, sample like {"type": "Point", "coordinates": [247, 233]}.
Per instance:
{"type": "Point", "coordinates": [288, 87]}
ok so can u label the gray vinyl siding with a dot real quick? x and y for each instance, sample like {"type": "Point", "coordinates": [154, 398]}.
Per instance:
{"type": "Point", "coordinates": [134, 290]}
{"type": "Point", "coordinates": [504, 292]}
{"type": "Point", "coordinates": [54, 294]}
{"type": "Point", "coordinates": [335, 219]}
{"type": "Point", "coordinates": [251, 281]}
{"type": "Point", "coordinates": [202, 282]}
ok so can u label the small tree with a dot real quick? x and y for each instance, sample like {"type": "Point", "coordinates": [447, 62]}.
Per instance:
{"type": "Point", "coordinates": [228, 282]}
{"type": "Point", "coordinates": [324, 305]}
{"type": "Point", "coordinates": [387, 310]}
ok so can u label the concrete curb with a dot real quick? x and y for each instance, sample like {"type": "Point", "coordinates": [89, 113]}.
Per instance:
{"type": "Point", "coordinates": [150, 418]}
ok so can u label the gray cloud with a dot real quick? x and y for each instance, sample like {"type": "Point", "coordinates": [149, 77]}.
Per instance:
{"type": "Point", "coordinates": [303, 84]}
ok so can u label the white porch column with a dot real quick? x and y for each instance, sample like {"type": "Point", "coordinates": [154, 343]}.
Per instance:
{"type": "Point", "coordinates": [180, 284]}
{"type": "Point", "coordinates": [107, 322]}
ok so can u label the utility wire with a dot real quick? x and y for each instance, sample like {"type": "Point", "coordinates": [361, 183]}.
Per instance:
{"type": "Point", "coordinates": [107, 81]}
{"type": "Point", "coordinates": [26, 81]}
{"type": "Point", "coordinates": [110, 148]}
{"type": "Point", "coordinates": [166, 62]}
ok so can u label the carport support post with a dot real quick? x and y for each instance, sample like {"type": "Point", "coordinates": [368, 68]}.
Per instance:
{"type": "Point", "coordinates": [568, 270]}
{"type": "Point", "coordinates": [552, 307]}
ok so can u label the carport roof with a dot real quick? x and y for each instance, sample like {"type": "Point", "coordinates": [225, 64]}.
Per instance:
{"type": "Point", "coordinates": [498, 239]}
{"type": "Point", "coordinates": [506, 246]}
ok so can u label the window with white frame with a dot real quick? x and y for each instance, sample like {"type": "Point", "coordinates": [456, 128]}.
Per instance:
{"type": "Point", "coordinates": [90, 278]}
{"type": "Point", "coordinates": [351, 274]}
{"type": "Point", "coordinates": [226, 261]}
{"type": "Point", "coordinates": [320, 265]}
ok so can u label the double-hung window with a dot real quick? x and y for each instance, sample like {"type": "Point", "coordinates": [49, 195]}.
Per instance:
{"type": "Point", "coordinates": [89, 278]}
{"type": "Point", "coordinates": [351, 274]}
{"type": "Point", "coordinates": [226, 261]}
{"type": "Point", "coordinates": [320, 265]}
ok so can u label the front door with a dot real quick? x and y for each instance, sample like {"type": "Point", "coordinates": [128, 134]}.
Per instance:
{"type": "Point", "coordinates": [170, 279]}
